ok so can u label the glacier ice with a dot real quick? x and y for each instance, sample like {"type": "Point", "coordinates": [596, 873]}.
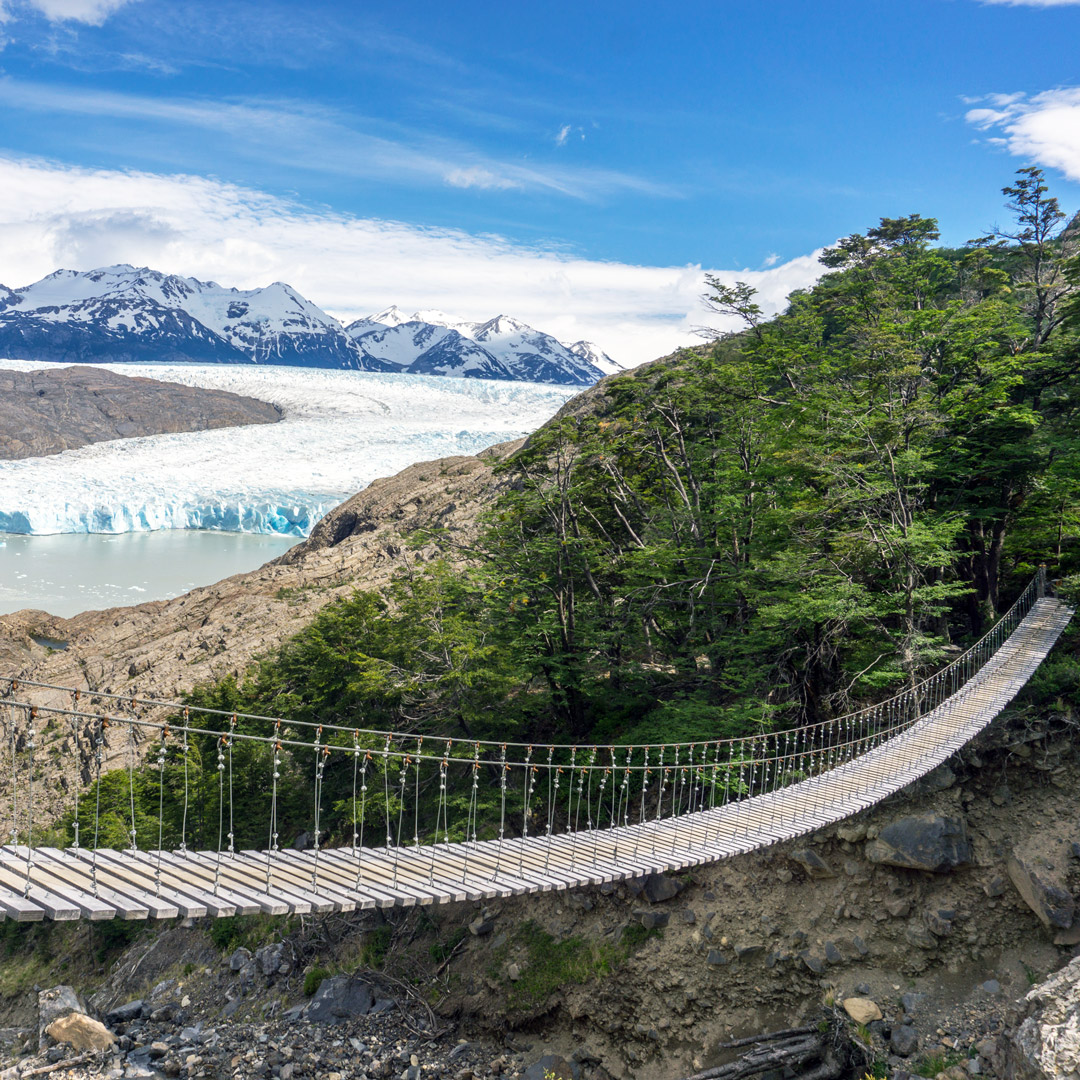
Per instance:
{"type": "Point", "coordinates": [341, 430]}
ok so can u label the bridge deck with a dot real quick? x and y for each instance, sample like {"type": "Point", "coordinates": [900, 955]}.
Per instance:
{"type": "Point", "coordinates": [161, 885]}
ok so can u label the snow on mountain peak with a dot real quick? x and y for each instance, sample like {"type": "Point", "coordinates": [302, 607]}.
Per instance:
{"type": "Point", "coordinates": [128, 313]}
{"type": "Point", "coordinates": [501, 326]}
{"type": "Point", "coordinates": [594, 355]}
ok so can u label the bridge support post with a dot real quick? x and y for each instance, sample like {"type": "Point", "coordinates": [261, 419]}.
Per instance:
{"type": "Point", "coordinates": [1040, 588]}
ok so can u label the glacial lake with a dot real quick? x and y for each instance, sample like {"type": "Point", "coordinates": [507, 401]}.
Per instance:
{"type": "Point", "coordinates": [66, 573]}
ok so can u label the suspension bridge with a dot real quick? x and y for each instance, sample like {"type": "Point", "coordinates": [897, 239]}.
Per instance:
{"type": "Point", "coordinates": [456, 820]}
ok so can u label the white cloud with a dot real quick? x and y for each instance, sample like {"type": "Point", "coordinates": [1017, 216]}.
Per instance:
{"type": "Point", "coordinates": [56, 216]}
{"type": "Point", "coordinates": [477, 177]}
{"type": "Point", "coordinates": [1044, 129]}
{"type": "Point", "coordinates": [1035, 3]}
{"type": "Point", "coordinates": [93, 12]}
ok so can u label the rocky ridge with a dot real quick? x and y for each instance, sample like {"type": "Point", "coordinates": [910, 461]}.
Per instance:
{"type": "Point", "coordinates": [55, 409]}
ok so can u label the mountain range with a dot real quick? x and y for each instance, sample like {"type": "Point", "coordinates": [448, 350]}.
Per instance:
{"type": "Point", "coordinates": [126, 314]}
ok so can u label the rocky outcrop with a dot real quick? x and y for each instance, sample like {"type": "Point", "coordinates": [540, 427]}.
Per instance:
{"type": "Point", "coordinates": [1044, 888]}
{"type": "Point", "coordinates": [922, 842]}
{"type": "Point", "coordinates": [1047, 1044]}
{"type": "Point", "coordinates": [55, 409]}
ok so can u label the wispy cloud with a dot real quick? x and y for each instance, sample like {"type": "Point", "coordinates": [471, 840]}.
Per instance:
{"type": "Point", "coordinates": [1044, 128]}
{"type": "Point", "coordinates": [59, 216]}
{"type": "Point", "coordinates": [302, 136]}
{"type": "Point", "coordinates": [1035, 3]}
{"type": "Point", "coordinates": [566, 131]}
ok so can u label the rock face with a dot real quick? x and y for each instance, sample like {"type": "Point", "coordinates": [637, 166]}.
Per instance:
{"type": "Point", "coordinates": [46, 412]}
{"type": "Point", "coordinates": [1047, 1044]}
{"type": "Point", "coordinates": [1044, 889]}
{"type": "Point", "coordinates": [922, 842]}
{"type": "Point", "coordinates": [339, 999]}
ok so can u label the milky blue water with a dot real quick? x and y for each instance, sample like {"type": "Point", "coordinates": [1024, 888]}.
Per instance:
{"type": "Point", "coordinates": [66, 573]}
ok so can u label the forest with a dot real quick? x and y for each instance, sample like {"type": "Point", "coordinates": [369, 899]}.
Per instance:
{"type": "Point", "coordinates": [784, 524]}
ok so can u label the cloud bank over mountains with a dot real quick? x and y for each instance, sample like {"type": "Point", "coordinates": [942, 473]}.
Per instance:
{"type": "Point", "coordinates": [57, 215]}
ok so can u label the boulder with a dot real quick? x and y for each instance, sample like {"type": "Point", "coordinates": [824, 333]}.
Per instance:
{"type": "Point", "coordinates": [851, 831]}
{"type": "Point", "coordinates": [659, 887]}
{"type": "Point", "coordinates": [940, 779]}
{"type": "Point", "coordinates": [904, 1040]}
{"type": "Point", "coordinates": [81, 1032]}
{"type": "Point", "coordinates": [55, 1002]}
{"type": "Point", "coordinates": [239, 959]}
{"type": "Point", "coordinates": [1047, 1043]}
{"type": "Point", "coordinates": [654, 920]}
{"type": "Point", "coordinates": [814, 865]}
{"type": "Point", "coordinates": [862, 1010]}
{"type": "Point", "coordinates": [123, 1014]}
{"type": "Point", "coordinates": [939, 921]}
{"type": "Point", "coordinates": [930, 842]}
{"type": "Point", "coordinates": [1044, 889]}
{"type": "Point", "coordinates": [338, 999]}
{"type": "Point", "coordinates": [269, 958]}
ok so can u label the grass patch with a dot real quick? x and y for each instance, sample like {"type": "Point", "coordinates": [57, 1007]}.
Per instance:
{"type": "Point", "coordinates": [313, 979]}
{"type": "Point", "coordinates": [550, 964]}
{"type": "Point", "coordinates": [248, 931]}
{"type": "Point", "coordinates": [376, 946]}
{"type": "Point", "coordinates": [932, 1064]}
{"type": "Point", "coordinates": [443, 950]}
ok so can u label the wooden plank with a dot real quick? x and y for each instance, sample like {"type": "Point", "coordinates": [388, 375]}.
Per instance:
{"type": "Point", "coordinates": [122, 901]}
{"type": "Point", "coordinates": [123, 895]}
{"type": "Point", "coordinates": [344, 884]}
{"type": "Point", "coordinates": [90, 907]}
{"type": "Point", "coordinates": [17, 908]}
{"type": "Point", "coordinates": [189, 901]}
{"type": "Point", "coordinates": [56, 907]}
{"type": "Point", "coordinates": [379, 873]}
{"type": "Point", "coordinates": [326, 898]}
{"type": "Point", "coordinates": [208, 866]}
{"type": "Point", "coordinates": [190, 875]}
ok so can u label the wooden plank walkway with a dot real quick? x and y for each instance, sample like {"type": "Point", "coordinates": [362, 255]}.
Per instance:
{"type": "Point", "coordinates": [73, 884]}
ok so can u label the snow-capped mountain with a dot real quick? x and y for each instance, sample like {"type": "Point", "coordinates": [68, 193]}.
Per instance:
{"type": "Point", "coordinates": [434, 343]}
{"type": "Point", "coordinates": [124, 314]}
{"type": "Point", "coordinates": [599, 359]}
{"type": "Point", "coordinates": [121, 313]}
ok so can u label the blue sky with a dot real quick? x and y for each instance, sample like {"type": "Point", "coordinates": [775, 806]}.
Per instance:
{"type": "Point", "coordinates": [577, 165]}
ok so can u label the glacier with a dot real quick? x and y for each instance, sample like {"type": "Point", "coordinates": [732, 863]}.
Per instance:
{"type": "Point", "coordinates": [341, 430]}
